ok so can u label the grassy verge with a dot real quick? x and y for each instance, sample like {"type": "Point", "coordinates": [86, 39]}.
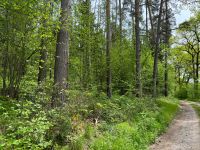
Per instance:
{"type": "Point", "coordinates": [139, 132]}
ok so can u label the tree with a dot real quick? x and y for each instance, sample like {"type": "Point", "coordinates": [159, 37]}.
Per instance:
{"type": "Point", "coordinates": [138, 51]}
{"type": "Point", "coordinates": [167, 37]}
{"type": "Point", "coordinates": [108, 47]}
{"type": "Point", "coordinates": [189, 32]}
{"type": "Point", "coordinates": [157, 49]}
{"type": "Point", "coordinates": [61, 56]}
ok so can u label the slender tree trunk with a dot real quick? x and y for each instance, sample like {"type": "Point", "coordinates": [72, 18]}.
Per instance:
{"type": "Point", "coordinates": [167, 36]}
{"type": "Point", "coordinates": [156, 52]}
{"type": "Point", "coordinates": [108, 47]}
{"type": "Point", "coordinates": [120, 23]}
{"type": "Point", "coordinates": [133, 25]}
{"type": "Point", "coordinates": [120, 49]}
{"type": "Point", "coordinates": [138, 49]}
{"type": "Point", "coordinates": [61, 57]}
{"type": "Point", "coordinates": [146, 9]}
{"type": "Point", "coordinates": [116, 13]}
{"type": "Point", "coordinates": [166, 75]}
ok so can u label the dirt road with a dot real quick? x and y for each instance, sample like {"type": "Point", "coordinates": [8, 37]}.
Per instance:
{"type": "Point", "coordinates": [183, 133]}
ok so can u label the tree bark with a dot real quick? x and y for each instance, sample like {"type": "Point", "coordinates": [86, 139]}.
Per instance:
{"type": "Point", "coordinates": [120, 50]}
{"type": "Point", "coordinates": [108, 47]}
{"type": "Point", "coordinates": [156, 51]}
{"type": "Point", "coordinates": [166, 75]}
{"type": "Point", "coordinates": [61, 57]}
{"type": "Point", "coordinates": [138, 49]}
{"type": "Point", "coordinates": [167, 36]}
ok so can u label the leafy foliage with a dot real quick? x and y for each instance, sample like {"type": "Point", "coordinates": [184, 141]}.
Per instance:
{"type": "Point", "coordinates": [23, 126]}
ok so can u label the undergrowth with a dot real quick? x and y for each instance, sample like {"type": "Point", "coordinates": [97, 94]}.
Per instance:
{"type": "Point", "coordinates": [140, 131]}
{"type": "Point", "coordinates": [87, 121]}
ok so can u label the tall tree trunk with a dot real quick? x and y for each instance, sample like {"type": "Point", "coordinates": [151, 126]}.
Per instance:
{"type": "Point", "coordinates": [108, 47]}
{"type": "Point", "coordinates": [61, 57]}
{"type": "Point", "coordinates": [138, 49]}
{"type": "Point", "coordinates": [167, 36]}
{"type": "Point", "coordinates": [156, 51]}
{"type": "Point", "coordinates": [120, 49]}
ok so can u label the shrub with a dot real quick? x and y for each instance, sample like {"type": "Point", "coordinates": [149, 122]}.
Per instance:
{"type": "Point", "coordinates": [24, 126]}
{"type": "Point", "coordinates": [182, 93]}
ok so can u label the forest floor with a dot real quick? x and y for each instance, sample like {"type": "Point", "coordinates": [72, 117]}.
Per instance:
{"type": "Point", "coordinates": [183, 133]}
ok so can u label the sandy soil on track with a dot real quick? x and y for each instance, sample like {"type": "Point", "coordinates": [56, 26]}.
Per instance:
{"type": "Point", "coordinates": [183, 133]}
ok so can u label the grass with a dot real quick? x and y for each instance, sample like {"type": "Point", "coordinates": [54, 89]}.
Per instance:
{"type": "Point", "coordinates": [141, 131]}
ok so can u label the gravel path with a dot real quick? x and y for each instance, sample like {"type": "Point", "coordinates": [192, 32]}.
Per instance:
{"type": "Point", "coordinates": [183, 133]}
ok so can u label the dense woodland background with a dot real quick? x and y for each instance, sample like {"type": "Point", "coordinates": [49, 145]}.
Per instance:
{"type": "Point", "coordinates": [74, 72]}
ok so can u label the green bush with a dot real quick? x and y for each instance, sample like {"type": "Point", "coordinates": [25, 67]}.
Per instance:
{"type": "Point", "coordinates": [182, 94]}
{"type": "Point", "coordinates": [23, 126]}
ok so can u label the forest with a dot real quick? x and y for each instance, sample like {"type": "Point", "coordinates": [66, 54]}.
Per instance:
{"type": "Point", "coordinates": [96, 74]}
